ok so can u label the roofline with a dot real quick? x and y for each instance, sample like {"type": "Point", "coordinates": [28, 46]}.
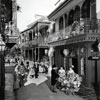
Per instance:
{"type": "Point", "coordinates": [34, 25]}
{"type": "Point", "coordinates": [63, 4]}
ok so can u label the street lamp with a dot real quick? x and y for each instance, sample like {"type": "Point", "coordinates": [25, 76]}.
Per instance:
{"type": "Point", "coordinates": [2, 69]}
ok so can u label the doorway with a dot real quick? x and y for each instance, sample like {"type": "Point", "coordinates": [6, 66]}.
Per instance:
{"type": "Point", "coordinates": [75, 63]}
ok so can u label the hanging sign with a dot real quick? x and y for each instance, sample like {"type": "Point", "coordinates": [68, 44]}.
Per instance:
{"type": "Point", "coordinates": [93, 58]}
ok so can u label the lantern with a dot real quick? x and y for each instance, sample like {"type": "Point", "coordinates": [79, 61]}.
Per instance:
{"type": "Point", "coordinates": [65, 52]}
{"type": "Point", "coordinates": [51, 51]}
{"type": "Point", "coordinates": [46, 51]}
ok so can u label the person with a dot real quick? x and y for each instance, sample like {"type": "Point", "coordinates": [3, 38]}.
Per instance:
{"type": "Point", "coordinates": [70, 71]}
{"type": "Point", "coordinates": [54, 77]}
{"type": "Point", "coordinates": [27, 66]}
{"type": "Point", "coordinates": [61, 73]}
{"type": "Point", "coordinates": [32, 72]}
{"type": "Point", "coordinates": [16, 85]}
{"type": "Point", "coordinates": [36, 69]}
{"type": "Point", "coordinates": [20, 71]}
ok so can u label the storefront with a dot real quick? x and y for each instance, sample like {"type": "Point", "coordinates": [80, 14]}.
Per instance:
{"type": "Point", "coordinates": [78, 51]}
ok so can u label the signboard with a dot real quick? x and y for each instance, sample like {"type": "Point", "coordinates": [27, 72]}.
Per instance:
{"type": "Point", "coordinates": [93, 58]}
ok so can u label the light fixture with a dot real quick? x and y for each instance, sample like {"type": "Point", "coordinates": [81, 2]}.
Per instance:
{"type": "Point", "coordinates": [66, 52]}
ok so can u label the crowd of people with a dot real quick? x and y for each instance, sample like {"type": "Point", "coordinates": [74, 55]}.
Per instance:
{"type": "Point", "coordinates": [25, 68]}
{"type": "Point", "coordinates": [67, 81]}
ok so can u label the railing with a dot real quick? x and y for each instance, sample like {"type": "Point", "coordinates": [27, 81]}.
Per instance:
{"type": "Point", "coordinates": [84, 26]}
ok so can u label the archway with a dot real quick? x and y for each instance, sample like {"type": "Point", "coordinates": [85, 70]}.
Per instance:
{"type": "Point", "coordinates": [71, 17]}
{"type": "Point", "coordinates": [86, 9]}
{"type": "Point", "coordinates": [77, 13]}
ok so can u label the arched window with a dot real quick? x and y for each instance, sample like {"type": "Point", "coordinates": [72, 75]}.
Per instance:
{"type": "Point", "coordinates": [54, 27]}
{"type": "Point", "coordinates": [33, 33]}
{"type": "Point", "coordinates": [66, 22]}
{"type": "Point", "coordinates": [77, 13]}
{"type": "Point", "coordinates": [61, 23]}
{"type": "Point", "coordinates": [71, 17]}
{"type": "Point", "coordinates": [86, 9]}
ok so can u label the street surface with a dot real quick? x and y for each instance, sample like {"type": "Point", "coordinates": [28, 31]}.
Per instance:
{"type": "Point", "coordinates": [39, 89]}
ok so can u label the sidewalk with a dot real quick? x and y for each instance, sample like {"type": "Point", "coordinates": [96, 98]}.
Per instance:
{"type": "Point", "coordinates": [9, 80]}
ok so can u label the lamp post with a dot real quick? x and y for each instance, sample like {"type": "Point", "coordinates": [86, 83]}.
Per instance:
{"type": "Point", "coordinates": [2, 70]}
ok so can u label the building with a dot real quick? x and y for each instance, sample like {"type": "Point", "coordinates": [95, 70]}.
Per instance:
{"type": "Point", "coordinates": [11, 29]}
{"type": "Point", "coordinates": [98, 15]}
{"type": "Point", "coordinates": [75, 30]}
{"type": "Point", "coordinates": [33, 40]}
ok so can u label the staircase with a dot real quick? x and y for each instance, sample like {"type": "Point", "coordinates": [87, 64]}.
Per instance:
{"type": "Point", "coordinates": [87, 93]}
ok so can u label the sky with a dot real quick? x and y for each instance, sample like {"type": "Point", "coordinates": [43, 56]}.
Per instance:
{"type": "Point", "coordinates": [29, 8]}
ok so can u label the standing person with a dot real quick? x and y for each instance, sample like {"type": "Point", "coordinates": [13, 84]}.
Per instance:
{"type": "Point", "coordinates": [20, 70]}
{"type": "Point", "coordinates": [61, 73]}
{"type": "Point", "coordinates": [16, 85]}
{"type": "Point", "coordinates": [54, 77]}
{"type": "Point", "coordinates": [36, 69]}
{"type": "Point", "coordinates": [27, 66]}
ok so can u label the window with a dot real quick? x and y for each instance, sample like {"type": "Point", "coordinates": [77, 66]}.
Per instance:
{"type": "Point", "coordinates": [61, 23]}
{"type": "Point", "coordinates": [66, 22]}
{"type": "Point", "coordinates": [86, 9]}
{"type": "Point", "coordinates": [71, 17]}
{"type": "Point", "coordinates": [53, 27]}
{"type": "Point", "coordinates": [30, 35]}
{"type": "Point", "coordinates": [77, 13]}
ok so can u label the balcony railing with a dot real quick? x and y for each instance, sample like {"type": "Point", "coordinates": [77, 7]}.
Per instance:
{"type": "Point", "coordinates": [84, 26]}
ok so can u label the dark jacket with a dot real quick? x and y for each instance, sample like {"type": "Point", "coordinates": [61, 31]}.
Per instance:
{"type": "Point", "coordinates": [54, 77]}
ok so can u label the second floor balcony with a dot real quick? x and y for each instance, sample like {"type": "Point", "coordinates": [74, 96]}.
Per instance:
{"type": "Point", "coordinates": [84, 26]}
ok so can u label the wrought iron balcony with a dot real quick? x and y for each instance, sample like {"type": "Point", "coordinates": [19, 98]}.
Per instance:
{"type": "Point", "coordinates": [84, 26]}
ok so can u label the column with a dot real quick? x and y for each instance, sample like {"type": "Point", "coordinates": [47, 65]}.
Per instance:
{"type": "Point", "coordinates": [38, 53]}
{"type": "Point", "coordinates": [32, 54]}
{"type": "Point", "coordinates": [28, 55]}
